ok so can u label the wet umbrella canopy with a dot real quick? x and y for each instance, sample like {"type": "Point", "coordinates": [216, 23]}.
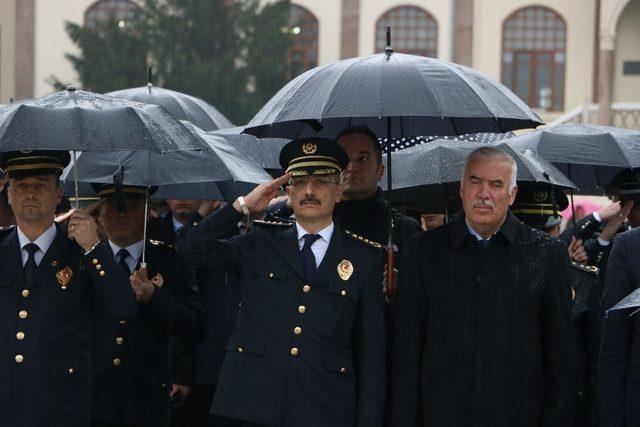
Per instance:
{"type": "Point", "coordinates": [76, 120]}
{"type": "Point", "coordinates": [180, 105]}
{"type": "Point", "coordinates": [589, 155]}
{"type": "Point", "coordinates": [265, 151]}
{"type": "Point", "coordinates": [423, 96]}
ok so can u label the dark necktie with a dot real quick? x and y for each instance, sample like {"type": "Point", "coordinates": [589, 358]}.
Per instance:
{"type": "Point", "coordinates": [308, 259]}
{"type": "Point", "coordinates": [483, 243]}
{"type": "Point", "coordinates": [123, 254]}
{"type": "Point", "coordinates": [30, 266]}
{"type": "Point", "coordinates": [180, 234]}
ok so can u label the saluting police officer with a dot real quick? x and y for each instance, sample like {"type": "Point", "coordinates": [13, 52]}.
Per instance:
{"type": "Point", "coordinates": [139, 374]}
{"type": "Point", "coordinates": [538, 206]}
{"type": "Point", "coordinates": [49, 278]}
{"type": "Point", "coordinates": [308, 346]}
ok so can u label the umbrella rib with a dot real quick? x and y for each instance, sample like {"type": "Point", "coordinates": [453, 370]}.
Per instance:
{"type": "Point", "coordinates": [335, 83]}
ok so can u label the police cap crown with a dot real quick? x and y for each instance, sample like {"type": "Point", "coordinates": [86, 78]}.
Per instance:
{"type": "Point", "coordinates": [22, 164]}
{"type": "Point", "coordinates": [539, 205]}
{"type": "Point", "coordinates": [313, 156]}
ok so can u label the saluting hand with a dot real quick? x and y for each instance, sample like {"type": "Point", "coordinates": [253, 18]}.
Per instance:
{"type": "Point", "coordinates": [142, 286]}
{"type": "Point", "coordinates": [83, 229]}
{"type": "Point", "coordinates": [258, 200]}
{"type": "Point", "coordinates": [577, 252]}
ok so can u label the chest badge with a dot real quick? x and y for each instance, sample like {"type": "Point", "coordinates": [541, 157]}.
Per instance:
{"type": "Point", "coordinates": [345, 269]}
{"type": "Point", "coordinates": [158, 280]}
{"type": "Point", "coordinates": [64, 277]}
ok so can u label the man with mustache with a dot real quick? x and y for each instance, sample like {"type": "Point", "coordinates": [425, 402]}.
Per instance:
{"type": "Point", "coordinates": [50, 279]}
{"type": "Point", "coordinates": [482, 315]}
{"type": "Point", "coordinates": [308, 345]}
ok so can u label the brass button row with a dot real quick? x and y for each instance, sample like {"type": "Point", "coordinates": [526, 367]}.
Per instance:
{"type": "Point", "coordinates": [25, 293]}
{"type": "Point", "coordinates": [20, 335]}
{"type": "Point", "coordinates": [117, 362]}
{"type": "Point", "coordinates": [297, 330]}
{"type": "Point", "coordinates": [302, 309]}
{"type": "Point", "coordinates": [295, 351]}
{"type": "Point", "coordinates": [306, 289]}
{"type": "Point", "coordinates": [23, 314]}
{"type": "Point", "coordinates": [19, 358]}
{"type": "Point", "coordinates": [119, 340]}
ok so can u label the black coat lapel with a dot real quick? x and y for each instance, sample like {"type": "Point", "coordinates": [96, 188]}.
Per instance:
{"type": "Point", "coordinates": [287, 246]}
{"type": "Point", "coordinates": [56, 258]}
{"type": "Point", "coordinates": [330, 261]}
{"type": "Point", "coordinates": [12, 258]}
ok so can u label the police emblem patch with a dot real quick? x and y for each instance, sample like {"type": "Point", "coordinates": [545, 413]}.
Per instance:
{"type": "Point", "coordinates": [64, 276]}
{"type": "Point", "coordinates": [345, 269]}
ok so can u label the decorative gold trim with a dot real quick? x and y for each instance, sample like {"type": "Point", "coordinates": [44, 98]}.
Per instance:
{"type": "Point", "coordinates": [536, 211]}
{"type": "Point", "coordinates": [33, 166]}
{"type": "Point", "coordinates": [313, 164]}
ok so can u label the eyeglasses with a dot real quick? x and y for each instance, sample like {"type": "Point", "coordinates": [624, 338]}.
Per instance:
{"type": "Point", "coordinates": [316, 181]}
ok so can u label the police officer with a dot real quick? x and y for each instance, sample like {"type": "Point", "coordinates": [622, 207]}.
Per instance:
{"type": "Point", "coordinates": [138, 375]}
{"type": "Point", "coordinates": [308, 345]}
{"type": "Point", "coordinates": [539, 206]}
{"type": "Point", "coordinates": [49, 279]}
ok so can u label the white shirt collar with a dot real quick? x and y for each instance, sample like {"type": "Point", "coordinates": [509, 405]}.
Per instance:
{"type": "Point", "coordinates": [176, 224]}
{"type": "Point", "coordinates": [325, 233]}
{"type": "Point", "coordinates": [135, 250]}
{"type": "Point", "coordinates": [43, 241]}
{"type": "Point", "coordinates": [474, 232]}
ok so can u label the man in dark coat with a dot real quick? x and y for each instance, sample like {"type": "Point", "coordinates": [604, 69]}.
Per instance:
{"type": "Point", "coordinates": [483, 315]}
{"type": "Point", "coordinates": [138, 375]}
{"type": "Point", "coordinates": [308, 346]}
{"type": "Point", "coordinates": [49, 278]}
{"type": "Point", "coordinates": [619, 382]}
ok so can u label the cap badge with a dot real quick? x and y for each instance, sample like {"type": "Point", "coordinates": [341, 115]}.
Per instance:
{"type": "Point", "coordinates": [540, 196]}
{"type": "Point", "coordinates": [26, 151]}
{"type": "Point", "coordinates": [309, 148]}
{"type": "Point", "coordinates": [64, 277]}
{"type": "Point", "coordinates": [345, 269]}
{"type": "Point", "coordinates": [158, 280]}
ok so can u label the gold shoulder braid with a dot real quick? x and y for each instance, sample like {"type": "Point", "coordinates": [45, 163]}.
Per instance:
{"type": "Point", "coordinates": [368, 242]}
{"type": "Point", "coordinates": [159, 243]}
{"type": "Point", "coordinates": [272, 223]}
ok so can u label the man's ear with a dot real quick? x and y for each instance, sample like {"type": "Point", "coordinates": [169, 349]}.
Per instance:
{"type": "Point", "coordinates": [339, 191]}
{"type": "Point", "coordinates": [512, 196]}
{"type": "Point", "coordinates": [380, 170]}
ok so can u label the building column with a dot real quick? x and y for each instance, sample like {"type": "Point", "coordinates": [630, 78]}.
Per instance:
{"type": "Point", "coordinates": [350, 28]}
{"type": "Point", "coordinates": [24, 66]}
{"type": "Point", "coordinates": [605, 78]}
{"type": "Point", "coordinates": [463, 32]}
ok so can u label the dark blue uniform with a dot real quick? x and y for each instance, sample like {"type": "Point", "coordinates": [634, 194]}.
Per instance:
{"type": "Point", "coordinates": [135, 353]}
{"type": "Point", "coordinates": [45, 330]}
{"type": "Point", "coordinates": [301, 354]}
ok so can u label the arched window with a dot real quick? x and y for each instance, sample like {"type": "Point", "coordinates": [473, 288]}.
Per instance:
{"type": "Point", "coordinates": [413, 30]}
{"type": "Point", "coordinates": [102, 12]}
{"type": "Point", "coordinates": [303, 53]}
{"type": "Point", "coordinates": [533, 56]}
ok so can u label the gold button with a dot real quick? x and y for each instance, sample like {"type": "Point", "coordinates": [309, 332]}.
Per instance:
{"type": "Point", "coordinates": [71, 371]}
{"type": "Point", "coordinates": [102, 273]}
{"type": "Point", "coordinates": [343, 370]}
{"type": "Point", "coordinates": [95, 261]}
{"type": "Point", "coordinates": [240, 349]}
{"type": "Point", "coordinates": [123, 322]}
{"type": "Point", "coordinates": [306, 288]}
{"type": "Point", "coordinates": [117, 362]}
{"type": "Point", "coordinates": [119, 340]}
{"type": "Point", "coordinates": [20, 335]}
{"type": "Point", "coordinates": [302, 309]}
{"type": "Point", "coordinates": [343, 293]}
{"type": "Point", "coordinates": [19, 358]}
{"type": "Point", "coordinates": [270, 275]}
{"type": "Point", "coordinates": [297, 330]}
{"type": "Point", "coordinates": [25, 293]}
{"type": "Point", "coordinates": [294, 351]}
{"type": "Point", "coordinates": [98, 266]}
{"type": "Point", "coordinates": [23, 314]}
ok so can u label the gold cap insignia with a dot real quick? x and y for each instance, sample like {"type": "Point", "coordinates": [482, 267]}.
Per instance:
{"type": "Point", "coordinates": [158, 280]}
{"type": "Point", "coordinates": [345, 269]}
{"type": "Point", "coordinates": [540, 196]}
{"type": "Point", "coordinates": [64, 276]}
{"type": "Point", "coordinates": [309, 148]}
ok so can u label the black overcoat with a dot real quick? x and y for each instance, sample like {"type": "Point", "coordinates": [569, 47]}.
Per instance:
{"type": "Point", "coordinates": [309, 355]}
{"type": "Point", "coordinates": [483, 337]}
{"type": "Point", "coordinates": [49, 326]}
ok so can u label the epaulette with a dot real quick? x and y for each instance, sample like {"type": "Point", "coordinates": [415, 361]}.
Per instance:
{"type": "Point", "coordinates": [273, 223]}
{"type": "Point", "coordinates": [159, 243]}
{"type": "Point", "coordinates": [8, 227]}
{"type": "Point", "coordinates": [587, 268]}
{"type": "Point", "coordinates": [5, 231]}
{"type": "Point", "coordinates": [359, 238]}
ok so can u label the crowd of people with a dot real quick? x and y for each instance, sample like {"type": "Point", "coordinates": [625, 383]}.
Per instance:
{"type": "Point", "coordinates": [274, 310]}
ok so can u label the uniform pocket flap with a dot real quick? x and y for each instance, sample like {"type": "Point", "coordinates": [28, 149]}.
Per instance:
{"type": "Point", "coordinates": [243, 344]}
{"type": "Point", "coordinates": [340, 361]}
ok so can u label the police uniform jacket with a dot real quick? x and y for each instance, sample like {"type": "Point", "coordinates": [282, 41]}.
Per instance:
{"type": "Point", "coordinates": [619, 375]}
{"type": "Point", "coordinates": [135, 353]}
{"type": "Point", "coordinates": [45, 330]}
{"type": "Point", "coordinates": [483, 336]}
{"type": "Point", "coordinates": [301, 353]}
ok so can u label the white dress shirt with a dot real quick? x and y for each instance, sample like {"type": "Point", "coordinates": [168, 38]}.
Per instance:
{"type": "Point", "coordinates": [475, 234]}
{"type": "Point", "coordinates": [319, 247]}
{"type": "Point", "coordinates": [44, 241]}
{"type": "Point", "coordinates": [177, 225]}
{"type": "Point", "coordinates": [134, 250]}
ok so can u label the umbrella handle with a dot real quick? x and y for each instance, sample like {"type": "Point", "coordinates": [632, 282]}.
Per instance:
{"type": "Point", "coordinates": [75, 180]}
{"type": "Point", "coordinates": [143, 262]}
{"type": "Point", "coordinates": [390, 265]}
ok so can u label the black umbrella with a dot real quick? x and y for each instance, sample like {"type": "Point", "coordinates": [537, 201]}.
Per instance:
{"type": "Point", "coordinates": [265, 151]}
{"type": "Point", "coordinates": [181, 105]}
{"type": "Point", "coordinates": [396, 95]}
{"type": "Point", "coordinates": [77, 120]}
{"type": "Point", "coordinates": [428, 175]}
{"type": "Point", "coordinates": [589, 155]}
